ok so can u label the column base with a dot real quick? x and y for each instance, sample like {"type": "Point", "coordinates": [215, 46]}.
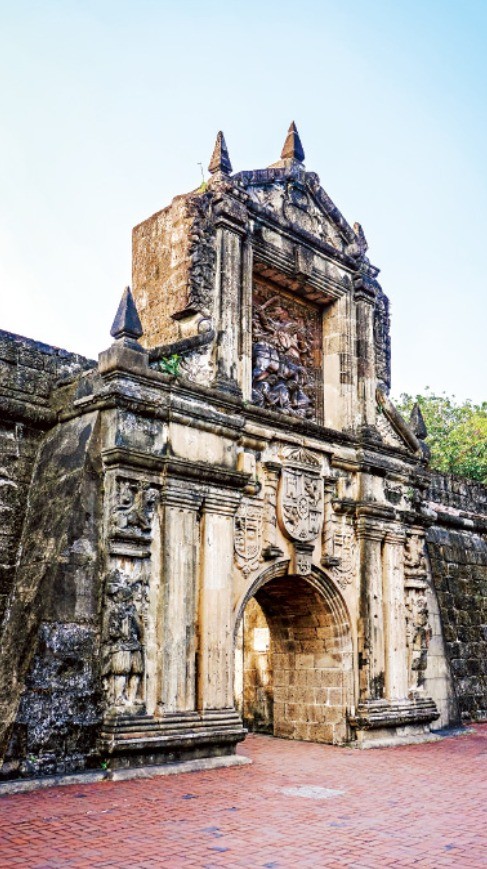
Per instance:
{"type": "Point", "coordinates": [380, 723]}
{"type": "Point", "coordinates": [144, 740]}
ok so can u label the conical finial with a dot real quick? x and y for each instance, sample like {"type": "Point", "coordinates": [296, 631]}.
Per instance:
{"type": "Point", "coordinates": [292, 146]}
{"type": "Point", "coordinates": [220, 160]}
{"type": "Point", "coordinates": [126, 323]}
{"type": "Point", "coordinates": [417, 423]}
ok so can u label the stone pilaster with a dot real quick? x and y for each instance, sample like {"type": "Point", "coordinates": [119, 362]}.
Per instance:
{"type": "Point", "coordinates": [366, 379]}
{"type": "Point", "coordinates": [178, 596]}
{"type": "Point", "coordinates": [230, 222]}
{"type": "Point", "coordinates": [372, 675]}
{"type": "Point", "coordinates": [271, 549]}
{"type": "Point", "coordinates": [215, 653]}
{"type": "Point", "coordinates": [395, 615]}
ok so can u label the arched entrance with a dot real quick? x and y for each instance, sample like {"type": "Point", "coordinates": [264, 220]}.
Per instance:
{"type": "Point", "coordinates": [293, 659]}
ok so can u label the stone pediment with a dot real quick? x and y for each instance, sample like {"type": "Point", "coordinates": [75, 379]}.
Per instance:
{"type": "Point", "coordinates": [293, 197]}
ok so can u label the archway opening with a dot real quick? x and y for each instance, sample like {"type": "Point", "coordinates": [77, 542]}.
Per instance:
{"type": "Point", "coordinates": [293, 661]}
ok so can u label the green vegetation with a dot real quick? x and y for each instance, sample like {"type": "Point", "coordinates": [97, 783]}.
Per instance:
{"type": "Point", "coordinates": [170, 364]}
{"type": "Point", "coordinates": [457, 432]}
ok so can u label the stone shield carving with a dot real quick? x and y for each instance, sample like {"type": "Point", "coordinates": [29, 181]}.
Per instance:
{"type": "Point", "coordinates": [300, 501]}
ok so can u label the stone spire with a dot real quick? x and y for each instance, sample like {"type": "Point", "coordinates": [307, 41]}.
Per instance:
{"type": "Point", "coordinates": [417, 423]}
{"type": "Point", "coordinates": [293, 148]}
{"type": "Point", "coordinates": [126, 323]}
{"type": "Point", "coordinates": [220, 160]}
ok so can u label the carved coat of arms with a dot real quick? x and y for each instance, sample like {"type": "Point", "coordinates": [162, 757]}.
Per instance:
{"type": "Point", "coordinates": [248, 536]}
{"type": "Point", "coordinates": [300, 498]}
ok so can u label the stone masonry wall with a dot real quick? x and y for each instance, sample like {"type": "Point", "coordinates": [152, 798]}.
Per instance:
{"type": "Point", "coordinates": [160, 269]}
{"type": "Point", "coordinates": [457, 548]}
{"type": "Point", "coordinates": [49, 669]}
{"type": "Point", "coordinates": [28, 370]}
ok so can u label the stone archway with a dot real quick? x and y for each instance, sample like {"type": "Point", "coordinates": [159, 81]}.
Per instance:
{"type": "Point", "coordinates": [294, 663]}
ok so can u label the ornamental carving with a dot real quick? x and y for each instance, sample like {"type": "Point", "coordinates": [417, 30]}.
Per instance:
{"type": "Point", "coordinates": [286, 353]}
{"type": "Point", "coordinates": [248, 536]}
{"type": "Point", "coordinates": [300, 497]}
{"type": "Point", "coordinates": [133, 509]}
{"type": "Point", "coordinates": [418, 636]}
{"type": "Point", "coordinates": [123, 661]}
{"type": "Point", "coordinates": [414, 557]}
{"type": "Point", "coordinates": [344, 552]}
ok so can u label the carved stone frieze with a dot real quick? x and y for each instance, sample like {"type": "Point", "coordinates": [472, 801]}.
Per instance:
{"type": "Point", "coordinates": [248, 524]}
{"type": "Point", "coordinates": [286, 353]}
{"type": "Point", "coordinates": [300, 501]}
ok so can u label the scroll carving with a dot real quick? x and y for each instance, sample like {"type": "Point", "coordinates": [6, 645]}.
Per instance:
{"type": "Point", "coordinates": [286, 354]}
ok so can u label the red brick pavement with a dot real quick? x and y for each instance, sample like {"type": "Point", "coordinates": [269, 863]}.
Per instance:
{"type": "Point", "coordinates": [422, 805]}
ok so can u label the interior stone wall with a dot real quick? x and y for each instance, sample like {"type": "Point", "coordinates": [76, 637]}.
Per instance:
{"type": "Point", "coordinates": [310, 662]}
{"type": "Point", "coordinates": [457, 548]}
{"type": "Point", "coordinates": [258, 684]}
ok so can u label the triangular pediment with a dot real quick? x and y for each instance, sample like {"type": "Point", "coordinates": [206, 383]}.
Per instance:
{"type": "Point", "coordinates": [294, 197]}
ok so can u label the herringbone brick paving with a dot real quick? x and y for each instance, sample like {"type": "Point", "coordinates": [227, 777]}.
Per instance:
{"type": "Point", "coordinates": [422, 805]}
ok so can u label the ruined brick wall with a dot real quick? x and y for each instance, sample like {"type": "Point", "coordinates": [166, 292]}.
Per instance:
{"type": "Point", "coordinates": [28, 370]}
{"type": "Point", "coordinates": [457, 548]}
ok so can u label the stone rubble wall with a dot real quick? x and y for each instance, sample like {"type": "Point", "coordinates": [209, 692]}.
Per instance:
{"type": "Point", "coordinates": [457, 548]}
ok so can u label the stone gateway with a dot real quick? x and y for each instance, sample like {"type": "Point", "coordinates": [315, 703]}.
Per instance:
{"type": "Point", "coordinates": [224, 523]}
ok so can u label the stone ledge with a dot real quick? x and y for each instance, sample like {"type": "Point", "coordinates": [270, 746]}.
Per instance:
{"type": "Point", "coordinates": [22, 786]}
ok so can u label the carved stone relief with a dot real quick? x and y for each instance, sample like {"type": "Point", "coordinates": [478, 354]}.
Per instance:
{"type": "Point", "coordinates": [125, 619]}
{"type": "Point", "coordinates": [295, 204]}
{"type": "Point", "coordinates": [248, 536]}
{"type": "Point", "coordinates": [135, 502]}
{"type": "Point", "coordinates": [418, 636]}
{"type": "Point", "coordinates": [286, 353]}
{"type": "Point", "coordinates": [414, 557]}
{"type": "Point", "coordinates": [300, 502]}
{"type": "Point", "coordinates": [198, 366]}
{"type": "Point", "coordinates": [344, 550]}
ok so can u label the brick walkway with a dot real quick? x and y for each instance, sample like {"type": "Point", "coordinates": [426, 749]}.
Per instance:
{"type": "Point", "coordinates": [298, 805]}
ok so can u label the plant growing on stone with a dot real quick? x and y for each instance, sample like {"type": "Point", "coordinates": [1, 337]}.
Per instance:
{"type": "Point", "coordinates": [170, 364]}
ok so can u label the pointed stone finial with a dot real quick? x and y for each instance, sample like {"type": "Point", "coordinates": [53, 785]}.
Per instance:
{"type": "Point", "coordinates": [126, 323]}
{"type": "Point", "coordinates": [417, 423]}
{"type": "Point", "coordinates": [293, 148]}
{"type": "Point", "coordinates": [220, 160]}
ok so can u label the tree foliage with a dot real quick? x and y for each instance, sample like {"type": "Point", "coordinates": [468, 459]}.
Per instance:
{"type": "Point", "coordinates": [457, 432]}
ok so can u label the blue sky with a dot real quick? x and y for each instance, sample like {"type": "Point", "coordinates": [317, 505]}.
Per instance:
{"type": "Point", "coordinates": [108, 107]}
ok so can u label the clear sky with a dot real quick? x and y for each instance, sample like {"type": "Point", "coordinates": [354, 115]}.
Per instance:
{"type": "Point", "coordinates": [108, 107]}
